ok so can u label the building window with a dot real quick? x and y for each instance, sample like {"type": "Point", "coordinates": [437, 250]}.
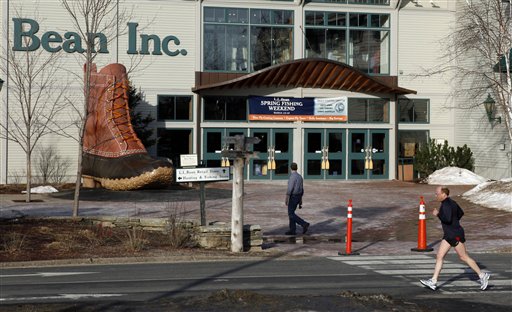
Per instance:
{"type": "Point", "coordinates": [413, 110]}
{"type": "Point", "coordinates": [358, 39]}
{"type": "Point", "coordinates": [225, 108]}
{"type": "Point", "coordinates": [368, 110]}
{"type": "Point", "coordinates": [172, 107]}
{"type": "Point", "coordinates": [410, 141]}
{"type": "Point", "coordinates": [246, 40]}
{"type": "Point", "coordinates": [174, 142]}
{"type": "Point", "coordinates": [367, 2]}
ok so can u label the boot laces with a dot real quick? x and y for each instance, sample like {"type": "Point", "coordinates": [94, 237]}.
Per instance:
{"type": "Point", "coordinates": [119, 110]}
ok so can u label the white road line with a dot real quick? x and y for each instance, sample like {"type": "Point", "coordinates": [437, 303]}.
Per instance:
{"type": "Point", "coordinates": [62, 296]}
{"type": "Point", "coordinates": [47, 274]}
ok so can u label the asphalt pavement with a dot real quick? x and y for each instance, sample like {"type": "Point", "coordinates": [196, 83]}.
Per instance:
{"type": "Point", "coordinates": [385, 213]}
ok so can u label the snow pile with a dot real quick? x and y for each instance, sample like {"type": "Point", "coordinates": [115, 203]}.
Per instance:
{"type": "Point", "coordinates": [454, 176]}
{"type": "Point", "coordinates": [42, 190]}
{"type": "Point", "coordinates": [493, 194]}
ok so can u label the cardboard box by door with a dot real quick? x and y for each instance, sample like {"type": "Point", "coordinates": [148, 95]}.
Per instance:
{"type": "Point", "coordinates": [405, 172]}
{"type": "Point", "coordinates": [409, 149]}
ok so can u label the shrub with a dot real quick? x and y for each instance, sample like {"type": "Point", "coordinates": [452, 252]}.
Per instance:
{"type": "Point", "coordinates": [180, 232]}
{"type": "Point", "coordinates": [136, 239]}
{"type": "Point", "coordinates": [431, 157]}
{"type": "Point", "coordinates": [13, 242]}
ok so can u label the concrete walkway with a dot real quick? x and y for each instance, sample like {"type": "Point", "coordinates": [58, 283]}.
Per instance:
{"type": "Point", "coordinates": [385, 213]}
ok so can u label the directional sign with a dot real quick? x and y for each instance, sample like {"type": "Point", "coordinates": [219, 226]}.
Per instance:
{"type": "Point", "coordinates": [202, 174]}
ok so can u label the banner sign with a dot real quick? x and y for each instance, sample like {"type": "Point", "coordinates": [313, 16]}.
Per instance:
{"type": "Point", "coordinates": [292, 109]}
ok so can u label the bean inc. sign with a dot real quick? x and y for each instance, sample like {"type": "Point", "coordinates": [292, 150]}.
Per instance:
{"type": "Point", "coordinates": [71, 42]}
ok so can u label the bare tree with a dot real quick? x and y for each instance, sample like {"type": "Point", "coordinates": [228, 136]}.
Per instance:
{"type": "Point", "coordinates": [51, 166]}
{"type": "Point", "coordinates": [478, 51]}
{"type": "Point", "coordinates": [38, 100]}
{"type": "Point", "coordinates": [90, 17]}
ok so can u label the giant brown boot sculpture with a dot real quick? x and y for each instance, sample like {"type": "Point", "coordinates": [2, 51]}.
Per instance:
{"type": "Point", "coordinates": [113, 155]}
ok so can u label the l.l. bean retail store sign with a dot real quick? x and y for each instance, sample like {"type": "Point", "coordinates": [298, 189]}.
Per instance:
{"type": "Point", "coordinates": [71, 42]}
{"type": "Point", "coordinates": [202, 174]}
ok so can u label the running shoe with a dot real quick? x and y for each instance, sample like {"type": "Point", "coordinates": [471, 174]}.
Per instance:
{"type": "Point", "coordinates": [484, 281]}
{"type": "Point", "coordinates": [429, 283]}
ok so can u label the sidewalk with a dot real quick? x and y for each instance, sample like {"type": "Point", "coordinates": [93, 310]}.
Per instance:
{"type": "Point", "coordinates": [385, 213]}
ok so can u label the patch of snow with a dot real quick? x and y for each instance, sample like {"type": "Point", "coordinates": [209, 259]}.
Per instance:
{"type": "Point", "coordinates": [454, 176]}
{"type": "Point", "coordinates": [42, 189]}
{"type": "Point", "coordinates": [493, 194]}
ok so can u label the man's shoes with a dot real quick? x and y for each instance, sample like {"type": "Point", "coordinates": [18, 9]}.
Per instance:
{"type": "Point", "coordinates": [429, 283]}
{"type": "Point", "coordinates": [484, 281]}
{"type": "Point", "coordinates": [305, 228]}
{"type": "Point", "coordinates": [289, 233]}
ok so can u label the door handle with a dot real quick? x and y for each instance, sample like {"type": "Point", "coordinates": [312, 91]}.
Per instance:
{"type": "Point", "coordinates": [368, 161]}
{"type": "Point", "coordinates": [327, 157]}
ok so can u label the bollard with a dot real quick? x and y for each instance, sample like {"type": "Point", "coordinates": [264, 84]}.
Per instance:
{"type": "Point", "coordinates": [422, 229]}
{"type": "Point", "coordinates": [348, 240]}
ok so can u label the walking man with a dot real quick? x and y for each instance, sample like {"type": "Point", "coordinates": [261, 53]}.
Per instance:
{"type": "Point", "coordinates": [294, 198]}
{"type": "Point", "coordinates": [453, 236]}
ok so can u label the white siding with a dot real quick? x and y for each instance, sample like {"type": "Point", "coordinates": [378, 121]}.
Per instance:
{"type": "Point", "coordinates": [416, 44]}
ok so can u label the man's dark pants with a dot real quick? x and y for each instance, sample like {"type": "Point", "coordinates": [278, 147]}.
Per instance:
{"type": "Point", "coordinates": [293, 202]}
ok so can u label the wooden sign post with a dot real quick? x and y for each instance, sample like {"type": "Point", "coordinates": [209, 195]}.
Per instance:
{"type": "Point", "coordinates": [239, 153]}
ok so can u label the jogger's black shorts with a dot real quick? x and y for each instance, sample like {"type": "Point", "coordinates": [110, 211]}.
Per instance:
{"type": "Point", "coordinates": [454, 241]}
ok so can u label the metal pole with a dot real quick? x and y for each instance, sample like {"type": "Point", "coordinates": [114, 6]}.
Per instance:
{"type": "Point", "coordinates": [202, 203]}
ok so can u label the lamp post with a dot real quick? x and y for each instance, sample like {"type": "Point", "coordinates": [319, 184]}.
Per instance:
{"type": "Point", "coordinates": [490, 106]}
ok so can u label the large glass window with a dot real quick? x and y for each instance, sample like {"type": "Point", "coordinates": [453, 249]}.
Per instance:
{"type": "Point", "coordinates": [171, 107]}
{"type": "Point", "coordinates": [174, 142]}
{"type": "Point", "coordinates": [413, 110]}
{"type": "Point", "coordinates": [243, 40]}
{"type": "Point", "coordinates": [358, 39]}
{"type": "Point", "coordinates": [368, 110]}
{"type": "Point", "coordinates": [410, 141]}
{"type": "Point", "coordinates": [370, 2]}
{"type": "Point", "coordinates": [225, 108]}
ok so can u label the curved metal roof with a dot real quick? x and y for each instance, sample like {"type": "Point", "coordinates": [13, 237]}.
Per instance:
{"type": "Point", "coordinates": [308, 73]}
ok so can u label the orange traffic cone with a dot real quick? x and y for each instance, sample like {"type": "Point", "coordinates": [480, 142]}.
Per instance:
{"type": "Point", "coordinates": [348, 240]}
{"type": "Point", "coordinates": [422, 229]}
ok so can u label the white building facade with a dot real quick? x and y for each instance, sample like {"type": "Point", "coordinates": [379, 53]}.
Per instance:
{"type": "Point", "coordinates": [270, 69]}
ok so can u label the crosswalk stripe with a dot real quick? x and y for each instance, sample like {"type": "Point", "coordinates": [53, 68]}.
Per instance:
{"type": "Point", "coordinates": [400, 262]}
{"type": "Point", "coordinates": [468, 292]}
{"type": "Point", "coordinates": [469, 283]}
{"type": "Point", "coordinates": [351, 258]}
{"type": "Point", "coordinates": [414, 267]}
{"type": "Point", "coordinates": [423, 272]}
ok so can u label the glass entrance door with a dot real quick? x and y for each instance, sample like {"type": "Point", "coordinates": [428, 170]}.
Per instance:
{"type": "Point", "coordinates": [274, 154]}
{"type": "Point", "coordinates": [324, 153]}
{"type": "Point", "coordinates": [213, 143]}
{"type": "Point", "coordinates": [368, 154]}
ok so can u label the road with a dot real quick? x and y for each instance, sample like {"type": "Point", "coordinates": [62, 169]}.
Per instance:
{"type": "Point", "coordinates": [395, 275]}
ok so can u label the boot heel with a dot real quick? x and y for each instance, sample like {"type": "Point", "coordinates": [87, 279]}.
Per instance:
{"type": "Point", "coordinates": [89, 182]}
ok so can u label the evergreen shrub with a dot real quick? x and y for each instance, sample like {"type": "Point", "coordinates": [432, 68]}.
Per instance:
{"type": "Point", "coordinates": [431, 157]}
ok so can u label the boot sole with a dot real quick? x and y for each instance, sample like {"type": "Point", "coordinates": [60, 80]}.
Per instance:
{"type": "Point", "coordinates": [159, 177]}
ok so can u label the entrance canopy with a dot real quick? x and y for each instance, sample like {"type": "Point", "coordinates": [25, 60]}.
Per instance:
{"type": "Point", "coordinates": [309, 73]}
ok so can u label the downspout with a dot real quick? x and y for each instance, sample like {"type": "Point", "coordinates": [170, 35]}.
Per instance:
{"type": "Point", "coordinates": [199, 105]}
{"type": "Point", "coordinates": [4, 109]}
{"type": "Point", "coordinates": [397, 142]}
